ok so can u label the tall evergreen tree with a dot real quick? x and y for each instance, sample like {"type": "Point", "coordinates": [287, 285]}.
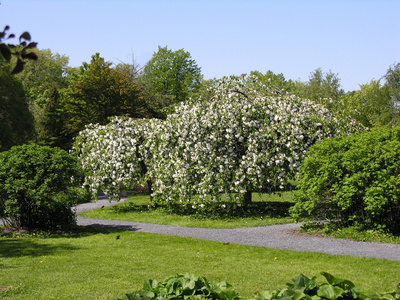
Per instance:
{"type": "Point", "coordinates": [52, 124]}
{"type": "Point", "coordinates": [99, 92]}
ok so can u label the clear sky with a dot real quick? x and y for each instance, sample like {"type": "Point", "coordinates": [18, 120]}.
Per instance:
{"type": "Point", "coordinates": [357, 39]}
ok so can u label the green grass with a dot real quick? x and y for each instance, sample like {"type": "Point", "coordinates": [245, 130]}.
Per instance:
{"type": "Point", "coordinates": [267, 209]}
{"type": "Point", "coordinates": [95, 265]}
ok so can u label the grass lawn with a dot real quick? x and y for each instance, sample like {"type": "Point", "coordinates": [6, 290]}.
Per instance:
{"type": "Point", "coordinates": [268, 209]}
{"type": "Point", "coordinates": [96, 265]}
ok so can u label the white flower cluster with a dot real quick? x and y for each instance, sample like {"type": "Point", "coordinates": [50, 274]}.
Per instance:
{"type": "Point", "coordinates": [246, 138]}
{"type": "Point", "coordinates": [111, 154]}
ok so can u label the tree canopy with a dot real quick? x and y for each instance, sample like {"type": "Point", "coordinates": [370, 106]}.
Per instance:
{"type": "Point", "coordinates": [244, 139]}
{"type": "Point", "coordinates": [172, 74]}
{"type": "Point", "coordinates": [39, 76]}
{"type": "Point", "coordinates": [16, 121]}
{"type": "Point", "coordinates": [392, 78]}
{"type": "Point", "coordinates": [99, 92]}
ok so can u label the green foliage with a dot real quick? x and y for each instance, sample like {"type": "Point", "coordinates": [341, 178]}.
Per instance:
{"type": "Point", "coordinates": [38, 186]}
{"type": "Point", "coordinates": [40, 75]}
{"type": "Point", "coordinates": [323, 88]}
{"type": "Point", "coordinates": [392, 78]}
{"type": "Point", "coordinates": [22, 51]}
{"type": "Point", "coordinates": [38, 78]}
{"type": "Point", "coordinates": [276, 82]}
{"type": "Point", "coordinates": [335, 288]}
{"type": "Point", "coordinates": [192, 286]}
{"type": "Point", "coordinates": [371, 104]}
{"type": "Point", "coordinates": [52, 123]}
{"type": "Point", "coordinates": [184, 286]}
{"type": "Point", "coordinates": [99, 92]}
{"type": "Point", "coordinates": [16, 121]}
{"type": "Point", "coordinates": [172, 74]}
{"type": "Point", "coordinates": [354, 178]}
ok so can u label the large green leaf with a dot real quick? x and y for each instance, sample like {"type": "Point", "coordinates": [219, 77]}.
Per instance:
{"type": "Point", "coordinates": [141, 295]}
{"type": "Point", "coordinates": [304, 282]}
{"type": "Point", "coordinates": [330, 291]}
{"type": "Point", "coordinates": [343, 283]}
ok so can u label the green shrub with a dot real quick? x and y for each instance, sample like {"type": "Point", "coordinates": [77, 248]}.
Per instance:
{"type": "Point", "coordinates": [191, 286]}
{"type": "Point", "coordinates": [38, 186]}
{"type": "Point", "coordinates": [353, 178]}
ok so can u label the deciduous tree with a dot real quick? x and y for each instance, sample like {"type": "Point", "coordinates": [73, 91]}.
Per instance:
{"type": "Point", "coordinates": [322, 88]}
{"type": "Point", "coordinates": [244, 139]}
{"type": "Point", "coordinates": [370, 105]}
{"type": "Point", "coordinates": [392, 78]}
{"type": "Point", "coordinates": [172, 74]}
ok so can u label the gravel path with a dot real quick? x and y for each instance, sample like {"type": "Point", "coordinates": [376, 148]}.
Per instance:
{"type": "Point", "coordinates": [275, 236]}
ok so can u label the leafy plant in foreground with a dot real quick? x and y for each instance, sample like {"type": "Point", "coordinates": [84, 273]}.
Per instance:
{"type": "Point", "coordinates": [335, 288]}
{"type": "Point", "coordinates": [184, 286]}
{"type": "Point", "coordinates": [192, 286]}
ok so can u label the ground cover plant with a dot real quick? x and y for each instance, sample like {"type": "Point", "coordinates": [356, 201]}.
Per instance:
{"type": "Point", "coordinates": [93, 264]}
{"type": "Point", "coordinates": [354, 179]}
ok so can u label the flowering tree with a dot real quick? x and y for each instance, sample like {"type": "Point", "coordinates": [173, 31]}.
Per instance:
{"type": "Point", "coordinates": [112, 155]}
{"type": "Point", "coordinates": [245, 139]}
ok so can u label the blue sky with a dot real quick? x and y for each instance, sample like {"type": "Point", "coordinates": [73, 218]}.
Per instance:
{"type": "Point", "coordinates": [357, 39]}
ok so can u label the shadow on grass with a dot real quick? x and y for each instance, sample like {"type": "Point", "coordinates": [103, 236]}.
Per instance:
{"type": "Point", "coordinates": [25, 247]}
{"type": "Point", "coordinates": [19, 245]}
{"type": "Point", "coordinates": [76, 232]}
{"type": "Point", "coordinates": [220, 210]}
{"type": "Point", "coordinates": [109, 228]}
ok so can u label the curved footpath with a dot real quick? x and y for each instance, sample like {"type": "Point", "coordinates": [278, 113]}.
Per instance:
{"type": "Point", "coordinates": [274, 236]}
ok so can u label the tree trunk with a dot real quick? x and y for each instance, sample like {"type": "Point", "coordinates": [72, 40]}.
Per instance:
{"type": "Point", "coordinates": [150, 186]}
{"type": "Point", "coordinates": [143, 169]}
{"type": "Point", "coordinates": [247, 197]}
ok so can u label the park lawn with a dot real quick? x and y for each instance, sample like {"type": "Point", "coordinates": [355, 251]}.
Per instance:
{"type": "Point", "coordinates": [274, 211]}
{"type": "Point", "coordinates": [96, 265]}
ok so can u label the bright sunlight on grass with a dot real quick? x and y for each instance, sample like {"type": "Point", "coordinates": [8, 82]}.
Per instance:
{"type": "Point", "coordinates": [96, 265]}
